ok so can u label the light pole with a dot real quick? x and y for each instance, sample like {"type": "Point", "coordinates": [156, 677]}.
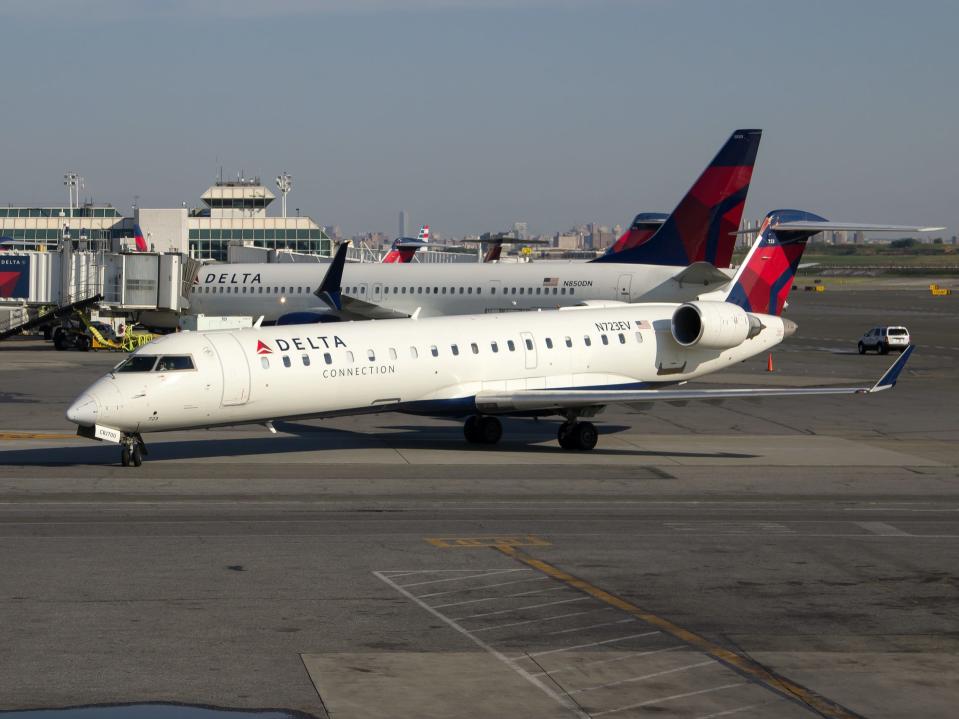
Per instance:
{"type": "Point", "coordinates": [74, 182]}
{"type": "Point", "coordinates": [284, 183]}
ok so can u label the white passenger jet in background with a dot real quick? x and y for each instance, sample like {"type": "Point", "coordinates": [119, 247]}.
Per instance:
{"type": "Point", "coordinates": [572, 363]}
{"type": "Point", "coordinates": [675, 262]}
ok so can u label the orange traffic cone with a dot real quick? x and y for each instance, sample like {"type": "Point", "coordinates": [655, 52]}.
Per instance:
{"type": "Point", "coordinates": [769, 363]}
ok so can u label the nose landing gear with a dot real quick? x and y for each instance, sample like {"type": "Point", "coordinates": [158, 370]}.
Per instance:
{"type": "Point", "coordinates": [132, 450]}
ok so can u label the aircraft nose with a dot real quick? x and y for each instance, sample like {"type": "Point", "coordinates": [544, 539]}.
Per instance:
{"type": "Point", "coordinates": [789, 327]}
{"type": "Point", "coordinates": [83, 411]}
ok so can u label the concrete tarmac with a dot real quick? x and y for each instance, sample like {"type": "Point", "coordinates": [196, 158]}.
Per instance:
{"type": "Point", "coordinates": [788, 558]}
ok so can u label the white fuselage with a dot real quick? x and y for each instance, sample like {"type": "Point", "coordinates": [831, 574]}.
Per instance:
{"type": "Point", "coordinates": [272, 290]}
{"type": "Point", "coordinates": [432, 366]}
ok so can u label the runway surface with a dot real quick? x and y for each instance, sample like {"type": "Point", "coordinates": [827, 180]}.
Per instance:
{"type": "Point", "coordinates": [789, 558]}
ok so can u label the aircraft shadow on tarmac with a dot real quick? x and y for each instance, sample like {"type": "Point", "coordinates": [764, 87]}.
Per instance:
{"type": "Point", "coordinates": [309, 438]}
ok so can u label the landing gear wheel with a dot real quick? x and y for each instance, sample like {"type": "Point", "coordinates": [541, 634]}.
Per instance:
{"type": "Point", "coordinates": [490, 430]}
{"type": "Point", "coordinates": [577, 435]}
{"type": "Point", "coordinates": [136, 456]}
{"type": "Point", "coordinates": [125, 456]}
{"type": "Point", "coordinates": [584, 436]}
{"type": "Point", "coordinates": [862, 348]}
{"type": "Point", "coordinates": [471, 429]}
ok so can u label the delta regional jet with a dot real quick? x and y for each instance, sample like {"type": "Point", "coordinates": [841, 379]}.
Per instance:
{"type": "Point", "coordinates": [659, 259]}
{"type": "Point", "coordinates": [571, 363]}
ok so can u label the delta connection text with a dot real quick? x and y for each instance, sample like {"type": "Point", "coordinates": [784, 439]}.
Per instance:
{"type": "Point", "coordinates": [304, 344]}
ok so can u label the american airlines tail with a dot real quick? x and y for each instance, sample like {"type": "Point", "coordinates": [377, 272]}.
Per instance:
{"type": "Point", "coordinates": [404, 248]}
{"type": "Point", "coordinates": [702, 227]}
{"type": "Point", "coordinates": [141, 243]}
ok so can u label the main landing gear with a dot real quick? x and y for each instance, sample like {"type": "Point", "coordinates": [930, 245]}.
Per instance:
{"type": "Point", "coordinates": [577, 435]}
{"type": "Point", "coordinates": [132, 450]}
{"type": "Point", "coordinates": [482, 429]}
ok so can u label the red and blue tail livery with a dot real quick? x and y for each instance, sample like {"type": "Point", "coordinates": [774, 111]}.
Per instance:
{"type": "Point", "coordinates": [141, 243]}
{"type": "Point", "coordinates": [702, 227]}
{"type": "Point", "coordinates": [766, 275]}
{"type": "Point", "coordinates": [403, 248]}
{"type": "Point", "coordinates": [644, 226]}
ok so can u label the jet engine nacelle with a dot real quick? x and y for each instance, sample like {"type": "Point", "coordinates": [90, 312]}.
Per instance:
{"type": "Point", "coordinates": [713, 325]}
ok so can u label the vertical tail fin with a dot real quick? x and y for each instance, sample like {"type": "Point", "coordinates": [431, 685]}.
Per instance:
{"type": "Point", "coordinates": [699, 229]}
{"type": "Point", "coordinates": [644, 226]}
{"type": "Point", "coordinates": [424, 233]}
{"type": "Point", "coordinates": [141, 243]}
{"type": "Point", "coordinates": [765, 277]}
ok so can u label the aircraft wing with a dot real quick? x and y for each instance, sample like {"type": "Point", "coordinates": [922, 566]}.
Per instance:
{"type": "Point", "coordinates": [557, 400]}
{"type": "Point", "coordinates": [356, 309]}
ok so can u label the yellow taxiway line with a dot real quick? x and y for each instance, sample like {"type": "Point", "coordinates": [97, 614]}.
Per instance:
{"type": "Point", "coordinates": [745, 666]}
{"type": "Point", "coordinates": [11, 436]}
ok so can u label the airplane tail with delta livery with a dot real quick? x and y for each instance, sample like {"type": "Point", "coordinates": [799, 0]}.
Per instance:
{"type": "Point", "coordinates": [766, 275]}
{"type": "Point", "coordinates": [702, 227]}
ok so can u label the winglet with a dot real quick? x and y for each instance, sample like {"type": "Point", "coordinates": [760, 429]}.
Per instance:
{"type": "Point", "coordinates": [330, 289]}
{"type": "Point", "coordinates": [888, 380]}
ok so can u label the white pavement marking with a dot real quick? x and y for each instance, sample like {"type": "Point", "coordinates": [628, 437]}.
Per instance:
{"type": "Point", "coordinates": [470, 576]}
{"type": "Point", "coordinates": [519, 609]}
{"type": "Point", "coordinates": [591, 644]}
{"type": "Point", "coordinates": [505, 596]}
{"type": "Point", "coordinates": [883, 529]}
{"type": "Point", "coordinates": [543, 619]}
{"type": "Point", "coordinates": [623, 658]}
{"type": "Point", "coordinates": [591, 626]}
{"type": "Point", "coordinates": [643, 677]}
{"type": "Point", "coordinates": [666, 699]}
{"type": "Point", "coordinates": [564, 701]}
{"type": "Point", "coordinates": [729, 711]}
{"type": "Point", "coordinates": [483, 586]}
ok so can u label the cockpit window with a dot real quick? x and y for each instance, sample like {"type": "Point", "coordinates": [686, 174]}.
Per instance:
{"type": "Point", "coordinates": [172, 363]}
{"type": "Point", "coordinates": [137, 363]}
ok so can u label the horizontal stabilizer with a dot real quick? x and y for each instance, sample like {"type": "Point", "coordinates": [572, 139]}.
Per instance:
{"type": "Point", "coordinates": [702, 273]}
{"type": "Point", "coordinates": [810, 226]}
{"type": "Point", "coordinates": [558, 400]}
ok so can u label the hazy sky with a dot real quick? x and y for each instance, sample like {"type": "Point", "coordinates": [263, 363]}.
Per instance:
{"type": "Point", "coordinates": [472, 114]}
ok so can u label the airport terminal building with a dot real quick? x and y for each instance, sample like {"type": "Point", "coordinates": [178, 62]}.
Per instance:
{"type": "Point", "coordinates": [233, 212]}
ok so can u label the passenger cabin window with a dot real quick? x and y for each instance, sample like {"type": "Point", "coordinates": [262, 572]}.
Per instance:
{"type": "Point", "coordinates": [639, 337]}
{"type": "Point", "coordinates": [529, 344]}
{"type": "Point", "coordinates": [493, 346]}
{"type": "Point", "coordinates": [306, 360]}
{"type": "Point", "coordinates": [137, 363]}
{"type": "Point", "coordinates": [549, 343]}
{"type": "Point", "coordinates": [413, 353]}
{"type": "Point", "coordinates": [328, 358]}
{"type": "Point", "coordinates": [433, 351]}
{"type": "Point", "coordinates": [587, 341]}
{"type": "Point", "coordinates": [265, 362]}
{"type": "Point", "coordinates": [622, 338]}
{"type": "Point", "coordinates": [605, 339]}
{"type": "Point", "coordinates": [568, 341]}
{"type": "Point", "coordinates": [392, 353]}
{"type": "Point", "coordinates": [286, 361]}
{"type": "Point", "coordinates": [173, 363]}
{"type": "Point", "coordinates": [349, 357]}
{"type": "Point", "coordinates": [456, 350]}
{"type": "Point", "coordinates": [510, 345]}
{"type": "Point", "coordinates": [370, 355]}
